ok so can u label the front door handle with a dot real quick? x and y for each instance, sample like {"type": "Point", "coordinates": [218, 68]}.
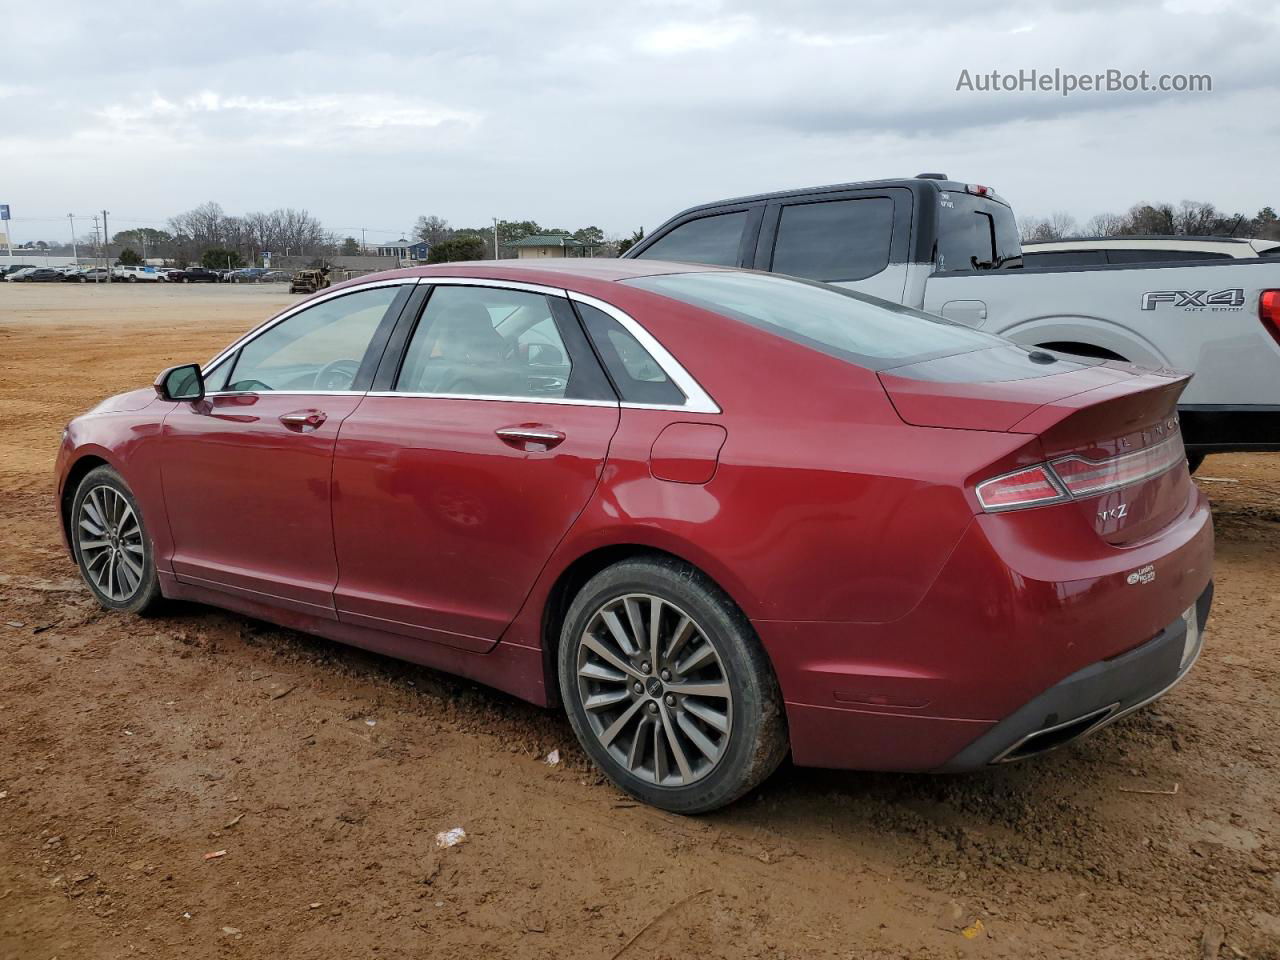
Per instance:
{"type": "Point", "coordinates": [530, 436]}
{"type": "Point", "coordinates": [304, 420]}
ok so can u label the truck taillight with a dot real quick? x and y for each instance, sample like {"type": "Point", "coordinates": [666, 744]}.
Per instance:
{"type": "Point", "coordinates": [1030, 487]}
{"type": "Point", "coordinates": [1269, 312]}
{"type": "Point", "coordinates": [1076, 477]}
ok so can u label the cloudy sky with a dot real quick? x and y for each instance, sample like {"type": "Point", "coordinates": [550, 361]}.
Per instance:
{"type": "Point", "coordinates": [616, 114]}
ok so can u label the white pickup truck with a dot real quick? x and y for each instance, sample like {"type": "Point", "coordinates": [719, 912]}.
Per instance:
{"type": "Point", "coordinates": [952, 249]}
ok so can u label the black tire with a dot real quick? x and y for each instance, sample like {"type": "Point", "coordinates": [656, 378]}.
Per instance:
{"type": "Point", "coordinates": [1194, 460]}
{"type": "Point", "coordinates": [144, 588]}
{"type": "Point", "coordinates": [755, 741]}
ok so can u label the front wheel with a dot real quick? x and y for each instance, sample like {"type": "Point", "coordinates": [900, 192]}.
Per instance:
{"type": "Point", "coordinates": [112, 547]}
{"type": "Point", "coordinates": [667, 687]}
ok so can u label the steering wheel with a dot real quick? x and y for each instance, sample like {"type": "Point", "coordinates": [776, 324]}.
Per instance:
{"type": "Point", "coordinates": [337, 375]}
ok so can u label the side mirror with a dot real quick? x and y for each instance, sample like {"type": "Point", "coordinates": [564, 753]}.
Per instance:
{"type": "Point", "coordinates": [184, 382]}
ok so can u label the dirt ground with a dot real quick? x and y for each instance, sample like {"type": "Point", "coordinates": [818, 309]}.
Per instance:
{"type": "Point", "coordinates": [131, 748]}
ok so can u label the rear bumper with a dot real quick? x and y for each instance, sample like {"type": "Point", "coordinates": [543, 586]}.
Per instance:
{"type": "Point", "coordinates": [1026, 620]}
{"type": "Point", "coordinates": [1090, 698]}
{"type": "Point", "coordinates": [1224, 428]}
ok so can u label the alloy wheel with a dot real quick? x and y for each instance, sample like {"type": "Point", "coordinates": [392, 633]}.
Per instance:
{"type": "Point", "coordinates": [654, 690]}
{"type": "Point", "coordinates": [109, 539]}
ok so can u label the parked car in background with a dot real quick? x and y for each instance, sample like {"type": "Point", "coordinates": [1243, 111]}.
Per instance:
{"type": "Point", "coordinates": [88, 275]}
{"type": "Point", "coordinates": [194, 275]}
{"type": "Point", "coordinates": [14, 268]}
{"type": "Point", "coordinates": [16, 274]}
{"type": "Point", "coordinates": [37, 275]}
{"type": "Point", "coordinates": [276, 276]}
{"type": "Point", "coordinates": [952, 249]}
{"type": "Point", "coordinates": [246, 274]}
{"type": "Point", "coordinates": [1095, 251]}
{"type": "Point", "coordinates": [136, 274]}
{"type": "Point", "coordinates": [733, 513]}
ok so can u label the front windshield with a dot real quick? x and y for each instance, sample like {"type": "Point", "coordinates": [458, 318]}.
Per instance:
{"type": "Point", "coordinates": [868, 331]}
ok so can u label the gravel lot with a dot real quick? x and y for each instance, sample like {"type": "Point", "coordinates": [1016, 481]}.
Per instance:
{"type": "Point", "coordinates": [132, 748]}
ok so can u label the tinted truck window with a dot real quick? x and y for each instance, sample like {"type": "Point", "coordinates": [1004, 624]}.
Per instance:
{"type": "Point", "coordinates": [705, 240]}
{"type": "Point", "coordinates": [1051, 259]}
{"type": "Point", "coordinates": [975, 233]}
{"type": "Point", "coordinates": [834, 240]}
{"type": "Point", "coordinates": [1130, 255]}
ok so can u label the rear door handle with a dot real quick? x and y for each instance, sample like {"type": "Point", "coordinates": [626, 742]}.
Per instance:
{"type": "Point", "coordinates": [530, 436]}
{"type": "Point", "coordinates": [303, 420]}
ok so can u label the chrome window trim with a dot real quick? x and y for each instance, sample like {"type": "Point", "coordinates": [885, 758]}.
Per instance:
{"type": "Point", "coordinates": [697, 400]}
{"type": "Point", "coordinates": [285, 393]}
{"type": "Point", "coordinates": [562, 401]}
{"type": "Point", "coordinates": [500, 284]}
{"type": "Point", "coordinates": [271, 322]}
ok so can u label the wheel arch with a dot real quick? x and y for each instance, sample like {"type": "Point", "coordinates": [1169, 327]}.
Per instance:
{"type": "Point", "coordinates": [1082, 350]}
{"type": "Point", "coordinates": [78, 470]}
{"type": "Point", "coordinates": [576, 574]}
{"type": "Point", "coordinates": [1095, 333]}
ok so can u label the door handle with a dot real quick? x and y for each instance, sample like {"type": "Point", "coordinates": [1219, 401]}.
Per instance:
{"type": "Point", "coordinates": [530, 436]}
{"type": "Point", "coordinates": [303, 420]}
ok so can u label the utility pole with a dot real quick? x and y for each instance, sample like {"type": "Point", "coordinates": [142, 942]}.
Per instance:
{"type": "Point", "coordinates": [495, 238]}
{"type": "Point", "coordinates": [97, 246]}
{"type": "Point", "coordinates": [74, 256]}
{"type": "Point", "coordinates": [106, 240]}
{"type": "Point", "coordinates": [364, 247]}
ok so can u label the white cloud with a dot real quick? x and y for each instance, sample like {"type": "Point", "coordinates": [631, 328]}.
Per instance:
{"type": "Point", "coordinates": [619, 114]}
{"type": "Point", "coordinates": [691, 37]}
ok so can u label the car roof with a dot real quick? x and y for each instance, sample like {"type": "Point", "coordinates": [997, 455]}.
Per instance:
{"type": "Point", "coordinates": [552, 271]}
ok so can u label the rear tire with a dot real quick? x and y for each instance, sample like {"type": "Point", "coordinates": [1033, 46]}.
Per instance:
{"type": "Point", "coordinates": [629, 687]}
{"type": "Point", "coordinates": [112, 546]}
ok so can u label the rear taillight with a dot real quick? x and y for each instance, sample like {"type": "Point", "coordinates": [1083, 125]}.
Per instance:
{"type": "Point", "coordinates": [1269, 312]}
{"type": "Point", "coordinates": [1088, 478]}
{"type": "Point", "coordinates": [1031, 487]}
{"type": "Point", "coordinates": [1075, 477]}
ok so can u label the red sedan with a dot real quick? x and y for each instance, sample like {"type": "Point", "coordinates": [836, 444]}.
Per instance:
{"type": "Point", "coordinates": [717, 515]}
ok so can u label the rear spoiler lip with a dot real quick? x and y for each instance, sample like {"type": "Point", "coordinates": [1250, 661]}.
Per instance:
{"type": "Point", "coordinates": [1159, 388]}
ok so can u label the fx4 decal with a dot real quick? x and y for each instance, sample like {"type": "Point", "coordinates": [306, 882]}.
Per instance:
{"type": "Point", "coordinates": [1229, 299]}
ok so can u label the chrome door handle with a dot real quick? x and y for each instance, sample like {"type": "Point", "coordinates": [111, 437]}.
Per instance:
{"type": "Point", "coordinates": [530, 435]}
{"type": "Point", "coordinates": [303, 419]}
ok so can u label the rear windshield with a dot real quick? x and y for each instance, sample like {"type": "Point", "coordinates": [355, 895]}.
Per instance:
{"type": "Point", "coordinates": [975, 233]}
{"type": "Point", "coordinates": [868, 331]}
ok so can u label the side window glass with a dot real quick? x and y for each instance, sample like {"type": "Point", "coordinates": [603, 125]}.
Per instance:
{"type": "Point", "coordinates": [483, 341]}
{"type": "Point", "coordinates": [320, 348]}
{"type": "Point", "coordinates": [712, 240]}
{"type": "Point", "coordinates": [1063, 258]}
{"type": "Point", "coordinates": [1131, 255]}
{"type": "Point", "coordinates": [834, 240]}
{"type": "Point", "coordinates": [634, 371]}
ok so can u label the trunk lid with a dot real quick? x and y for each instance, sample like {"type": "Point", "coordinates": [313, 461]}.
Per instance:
{"type": "Point", "coordinates": [1110, 430]}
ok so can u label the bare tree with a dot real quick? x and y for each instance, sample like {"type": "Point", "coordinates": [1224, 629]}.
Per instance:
{"type": "Point", "coordinates": [1106, 225]}
{"type": "Point", "coordinates": [432, 229]}
{"type": "Point", "coordinates": [1057, 227]}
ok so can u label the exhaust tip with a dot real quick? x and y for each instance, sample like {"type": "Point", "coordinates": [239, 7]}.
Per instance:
{"type": "Point", "coordinates": [1057, 735]}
